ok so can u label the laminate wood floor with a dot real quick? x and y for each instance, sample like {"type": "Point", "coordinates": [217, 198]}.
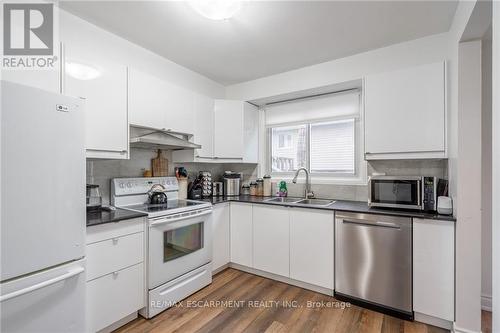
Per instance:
{"type": "Point", "coordinates": [263, 305]}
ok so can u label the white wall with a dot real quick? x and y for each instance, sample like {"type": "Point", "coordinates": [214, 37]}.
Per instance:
{"type": "Point", "coordinates": [496, 167]}
{"type": "Point", "coordinates": [486, 175]}
{"type": "Point", "coordinates": [421, 51]}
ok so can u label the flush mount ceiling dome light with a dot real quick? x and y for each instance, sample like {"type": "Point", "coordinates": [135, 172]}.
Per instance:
{"type": "Point", "coordinates": [216, 9]}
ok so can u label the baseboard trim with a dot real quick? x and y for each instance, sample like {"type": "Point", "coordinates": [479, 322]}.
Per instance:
{"type": "Point", "coordinates": [119, 323]}
{"type": "Point", "coordinates": [283, 279]}
{"type": "Point", "coordinates": [220, 269]}
{"type": "Point", "coordinates": [457, 329]}
{"type": "Point", "coordinates": [438, 322]}
{"type": "Point", "coordinates": [486, 303]}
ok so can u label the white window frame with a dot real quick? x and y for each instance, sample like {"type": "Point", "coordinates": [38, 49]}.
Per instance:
{"type": "Point", "coordinates": [360, 166]}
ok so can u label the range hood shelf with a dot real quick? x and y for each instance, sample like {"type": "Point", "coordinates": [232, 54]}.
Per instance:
{"type": "Point", "coordinates": [151, 138]}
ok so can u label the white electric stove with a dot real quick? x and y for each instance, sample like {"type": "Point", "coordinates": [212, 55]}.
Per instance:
{"type": "Point", "coordinates": [179, 240]}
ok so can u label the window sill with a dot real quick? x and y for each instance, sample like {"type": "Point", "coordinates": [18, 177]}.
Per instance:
{"type": "Point", "coordinates": [318, 180]}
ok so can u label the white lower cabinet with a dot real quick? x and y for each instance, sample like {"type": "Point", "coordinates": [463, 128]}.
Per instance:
{"type": "Point", "coordinates": [221, 236]}
{"type": "Point", "coordinates": [311, 246]}
{"type": "Point", "coordinates": [115, 276]}
{"type": "Point", "coordinates": [241, 234]}
{"type": "Point", "coordinates": [114, 296]}
{"type": "Point", "coordinates": [434, 268]}
{"type": "Point", "coordinates": [271, 246]}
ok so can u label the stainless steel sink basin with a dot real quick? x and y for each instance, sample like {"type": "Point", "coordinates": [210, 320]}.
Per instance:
{"type": "Point", "coordinates": [314, 202]}
{"type": "Point", "coordinates": [282, 200]}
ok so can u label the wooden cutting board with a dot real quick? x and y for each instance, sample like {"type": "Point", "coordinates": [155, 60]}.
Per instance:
{"type": "Point", "coordinates": [159, 165]}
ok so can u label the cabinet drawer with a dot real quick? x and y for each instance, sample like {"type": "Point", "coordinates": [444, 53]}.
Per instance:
{"type": "Point", "coordinates": [114, 254]}
{"type": "Point", "coordinates": [114, 296]}
{"type": "Point", "coordinates": [110, 230]}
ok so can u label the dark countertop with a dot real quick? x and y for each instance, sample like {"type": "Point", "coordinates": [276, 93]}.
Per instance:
{"type": "Point", "coordinates": [102, 217]}
{"type": "Point", "coordinates": [340, 205]}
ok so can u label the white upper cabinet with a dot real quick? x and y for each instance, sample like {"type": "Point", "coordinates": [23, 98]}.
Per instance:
{"type": "Point", "coordinates": [204, 126]}
{"type": "Point", "coordinates": [311, 246]}
{"type": "Point", "coordinates": [227, 130]}
{"type": "Point", "coordinates": [271, 243]}
{"type": "Point", "coordinates": [156, 103]}
{"type": "Point", "coordinates": [147, 100]}
{"type": "Point", "coordinates": [105, 94]}
{"type": "Point", "coordinates": [236, 131]}
{"type": "Point", "coordinates": [228, 139]}
{"type": "Point", "coordinates": [48, 80]}
{"type": "Point", "coordinates": [405, 113]}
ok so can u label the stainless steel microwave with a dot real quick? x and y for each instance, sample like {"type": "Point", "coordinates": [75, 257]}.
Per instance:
{"type": "Point", "coordinates": [406, 192]}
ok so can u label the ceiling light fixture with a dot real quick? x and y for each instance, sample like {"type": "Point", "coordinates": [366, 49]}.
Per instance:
{"type": "Point", "coordinates": [216, 9]}
{"type": "Point", "coordinates": [81, 72]}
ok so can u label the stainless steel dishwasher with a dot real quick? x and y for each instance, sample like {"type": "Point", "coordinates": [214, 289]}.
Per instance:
{"type": "Point", "coordinates": [373, 262]}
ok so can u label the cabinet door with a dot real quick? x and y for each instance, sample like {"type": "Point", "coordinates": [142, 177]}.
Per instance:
{"type": "Point", "coordinates": [434, 268]}
{"type": "Point", "coordinates": [204, 126]}
{"type": "Point", "coordinates": [311, 236]}
{"type": "Point", "coordinates": [179, 110]}
{"type": "Point", "coordinates": [228, 129]}
{"type": "Point", "coordinates": [221, 236]}
{"type": "Point", "coordinates": [241, 234]}
{"type": "Point", "coordinates": [147, 100]}
{"type": "Point", "coordinates": [106, 121]}
{"type": "Point", "coordinates": [47, 80]}
{"type": "Point", "coordinates": [124, 288]}
{"type": "Point", "coordinates": [271, 239]}
{"type": "Point", "coordinates": [405, 111]}
{"type": "Point", "coordinates": [251, 134]}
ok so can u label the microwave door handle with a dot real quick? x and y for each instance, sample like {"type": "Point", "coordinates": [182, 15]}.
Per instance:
{"type": "Point", "coordinates": [180, 218]}
{"type": "Point", "coordinates": [420, 186]}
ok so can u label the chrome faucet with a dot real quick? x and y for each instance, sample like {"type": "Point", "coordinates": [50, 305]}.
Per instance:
{"type": "Point", "coordinates": [307, 192]}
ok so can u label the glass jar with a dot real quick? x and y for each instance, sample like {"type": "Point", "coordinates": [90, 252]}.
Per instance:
{"type": "Point", "coordinates": [260, 187]}
{"type": "Point", "coordinates": [267, 186]}
{"type": "Point", "coordinates": [245, 189]}
{"type": "Point", "coordinates": [253, 188]}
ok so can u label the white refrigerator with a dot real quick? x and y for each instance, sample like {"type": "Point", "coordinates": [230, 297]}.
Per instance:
{"type": "Point", "coordinates": [42, 267]}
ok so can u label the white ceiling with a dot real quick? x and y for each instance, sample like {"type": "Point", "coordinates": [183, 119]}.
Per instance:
{"type": "Point", "coordinates": [266, 37]}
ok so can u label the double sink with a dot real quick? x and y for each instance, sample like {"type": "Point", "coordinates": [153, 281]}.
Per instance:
{"type": "Point", "coordinates": [304, 202]}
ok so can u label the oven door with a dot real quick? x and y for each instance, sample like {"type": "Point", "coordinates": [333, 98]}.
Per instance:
{"type": "Point", "coordinates": [178, 244]}
{"type": "Point", "coordinates": [395, 192]}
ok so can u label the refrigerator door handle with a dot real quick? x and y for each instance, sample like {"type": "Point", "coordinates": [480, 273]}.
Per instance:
{"type": "Point", "coordinates": [43, 284]}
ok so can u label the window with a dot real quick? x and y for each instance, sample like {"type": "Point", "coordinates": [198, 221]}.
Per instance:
{"type": "Point", "coordinates": [290, 156]}
{"type": "Point", "coordinates": [321, 134]}
{"type": "Point", "coordinates": [332, 146]}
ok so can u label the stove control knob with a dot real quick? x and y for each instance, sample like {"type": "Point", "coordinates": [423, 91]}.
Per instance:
{"type": "Point", "coordinates": [121, 185]}
{"type": "Point", "coordinates": [129, 185]}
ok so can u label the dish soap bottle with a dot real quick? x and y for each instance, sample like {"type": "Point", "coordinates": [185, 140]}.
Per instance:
{"type": "Point", "coordinates": [282, 190]}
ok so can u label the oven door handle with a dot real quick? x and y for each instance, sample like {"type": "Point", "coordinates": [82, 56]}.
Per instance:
{"type": "Point", "coordinates": [179, 217]}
